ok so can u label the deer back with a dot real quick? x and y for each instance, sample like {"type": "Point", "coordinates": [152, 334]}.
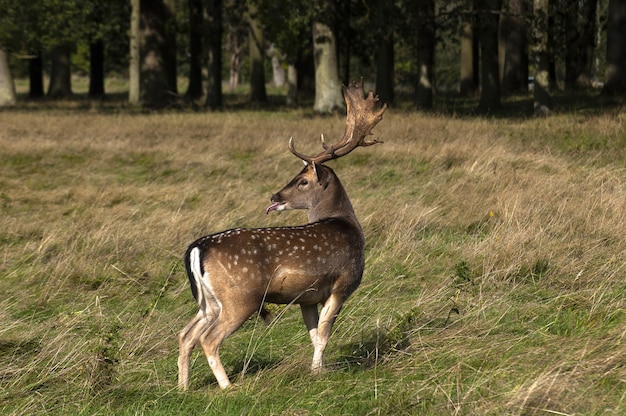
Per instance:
{"type": "Point", "coordinates": [283, 264]}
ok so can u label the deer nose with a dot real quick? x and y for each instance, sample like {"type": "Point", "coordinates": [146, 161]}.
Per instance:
{"type": "Point", "coordinates": [275, 198]}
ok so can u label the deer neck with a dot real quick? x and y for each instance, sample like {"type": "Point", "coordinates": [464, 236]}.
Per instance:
{"type": "Point", "coordinates": [335, 204]}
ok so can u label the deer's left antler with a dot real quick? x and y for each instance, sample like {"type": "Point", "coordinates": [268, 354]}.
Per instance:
{"type": "Point", "coordinates": [361, 118]}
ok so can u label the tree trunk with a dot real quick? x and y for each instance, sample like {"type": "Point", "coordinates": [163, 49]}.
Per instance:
{"type": "Point", "coordinates": [170, 46]}
{"type": "Point", "coordinates": [488, 17]}
{"type": "Point", "coordinates": [384, 54]}
{"type": "Point", "coordinates": [328, 95]}
{"type": "Point", "coordinates": [384, 69]}
{"type": "Point", "coordinates": [278, 73]}
{"type": "Point", "coordinates": [214, 98]}
{"type": "Point", "coordinates": [35, 76]}
{"type": "Point", "coordinates": [426, 54]}
{"type": "Point", "coordinates": [96, 68]}
{"type": "Point", "coordinates": [615, 78]}
{"type": "Point", "coordinates": [7, 88]}
{"type": "Point", "coordinates": [515, 68]}
{"type": "Point", "coordinates": [157, 85]}
{"type": "Point", "coordinates": [196, 21]}
{"type": "Point", "coordinates": [292, 85]}
{"type": "Point", "coordinates": [60, 72]}
{"type": "Point", "coordinates": [469, 54]}
{"type": "Point", "coordinates": [541, 59]}
{"type": "Point", "coordinates": [587, 43]}
{"type": "Point", "coordinates": [580, 33]}
{"type": "Point", "coordinates": [257, 56]}
{"type": "Point", "coordinates": [134, 67]}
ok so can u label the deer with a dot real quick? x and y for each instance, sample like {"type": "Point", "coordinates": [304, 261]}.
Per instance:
{"type": "Point", "coordinates": [233, 273]}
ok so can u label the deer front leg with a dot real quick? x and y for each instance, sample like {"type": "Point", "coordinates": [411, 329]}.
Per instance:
{"type": "Point", "coordinates": [327, 317]}
{"type": "Point", "coordinates": [311, 318]}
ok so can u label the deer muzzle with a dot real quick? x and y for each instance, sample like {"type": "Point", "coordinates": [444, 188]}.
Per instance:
{"type": "Point", "coordinates": [277, 205]}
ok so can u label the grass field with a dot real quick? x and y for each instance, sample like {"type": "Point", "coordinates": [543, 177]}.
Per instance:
{"type": "Point", "coordinates": [495, 275]}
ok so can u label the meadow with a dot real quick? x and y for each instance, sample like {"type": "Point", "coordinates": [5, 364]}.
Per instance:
{"type": "Point", "coordinates": [495, 273]}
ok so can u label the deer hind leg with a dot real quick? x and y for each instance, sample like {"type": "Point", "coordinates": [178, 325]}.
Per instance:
{"type": "Point", "coordinates": [327, 317]}
{"type": "Point", "coordinates": [187, 340]}
{"type": "Point", "coordinates": [228, 321]}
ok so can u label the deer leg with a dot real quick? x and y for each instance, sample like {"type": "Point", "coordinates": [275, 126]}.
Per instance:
{"type": "Point", "coordinates": [311, 318]}
{"type": "Point", "coordinates": [187, 340]}
{"type": "Point", "coordinates": [328, 314]}
{"type": "Point", "coordinates": [211, 339]}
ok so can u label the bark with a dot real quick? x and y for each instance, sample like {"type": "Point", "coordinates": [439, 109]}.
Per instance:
{"type": "Point", "coordinates": [292, 85]}
{"type": "Point", "coordinates": [615, 78]}
{"type": "Point", "coordinates": [196, 21]}
{"type": "Point", "coordinates": [580, 34]}
{"type": "Point", "coordinates": [235, 48]}
{"type": "Point", "coordinates": [35, 76]}
{"type": "Point", "coordinates": [96, 68]}
{"type": "Point", "coordinates": [541, 58]}
{"type": "Point", "coordinates": [7, 87]}
{"type": "Point", "coordinates": [384, 69]}
{"type": "Point", "coordinates": [426, 54]}
{"type": "Point", "coordinates": [469, 54]}
{"type": "Point", "coordinates": [157, 86]}
{"type": "Point", "coordinates": [60, 72]}
{"type": "Point", "coordinates": [170, 47]}
{"type": "Point", "coordinates": [515, 55]}
{"type": "Point", "coordinates": [214, 99]}
{"type": "Point", "coordinates": [134, 67]}
{"type": "Point", "coordinates": [328, 96]}
{"type": "Point", "coordinates": [278, 73]}
{"type": "Point", "coordinates": [488, 17]}
{"type": "Point", "coordinates": [257, 56]}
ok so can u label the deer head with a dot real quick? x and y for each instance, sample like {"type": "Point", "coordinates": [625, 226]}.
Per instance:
{"type": "Point", "coordinates": [316, 188]}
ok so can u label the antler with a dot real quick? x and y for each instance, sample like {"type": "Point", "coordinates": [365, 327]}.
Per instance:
{"type": "Point", "coordinates": [360, 120]}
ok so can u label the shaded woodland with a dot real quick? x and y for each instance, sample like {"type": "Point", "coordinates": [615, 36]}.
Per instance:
{"type": "Point", "coordinates": [417, 50]}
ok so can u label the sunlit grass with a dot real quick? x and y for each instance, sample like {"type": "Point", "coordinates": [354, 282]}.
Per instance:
{"type": "Point", "coordinates": [494, 284]}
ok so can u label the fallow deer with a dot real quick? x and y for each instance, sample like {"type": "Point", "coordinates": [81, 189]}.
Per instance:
{"type": "Point", "coordinates": [233, 273]}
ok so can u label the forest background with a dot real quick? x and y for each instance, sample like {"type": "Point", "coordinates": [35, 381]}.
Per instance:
{"type": "Point", "coordinates": [175, 52]}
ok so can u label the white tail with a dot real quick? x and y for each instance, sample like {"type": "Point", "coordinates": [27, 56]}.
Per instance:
{"type": "Point", "coordinates": [233, 273]}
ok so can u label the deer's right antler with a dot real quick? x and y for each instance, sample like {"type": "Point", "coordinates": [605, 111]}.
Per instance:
{"type": "Point", "coordinates": [361, 118]}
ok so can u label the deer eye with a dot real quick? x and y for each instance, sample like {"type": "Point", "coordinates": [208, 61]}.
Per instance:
{"type": "Point", "coordinates": [303, 182]}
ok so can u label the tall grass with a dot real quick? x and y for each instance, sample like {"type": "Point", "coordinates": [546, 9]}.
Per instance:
{"type": "Point", "coordinates": [494, 283]}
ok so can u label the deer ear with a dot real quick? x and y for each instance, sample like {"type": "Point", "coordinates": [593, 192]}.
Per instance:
{"type": "Point", "coordinates": [323, 178]}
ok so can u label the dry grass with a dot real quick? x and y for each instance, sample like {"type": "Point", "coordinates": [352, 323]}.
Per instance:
{"type": "Point", "coordinates": [495, 280]}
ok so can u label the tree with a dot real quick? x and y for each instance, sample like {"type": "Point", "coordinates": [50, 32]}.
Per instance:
{"type": "Point", "coordinates": [384, 40]}
{"type": "Point", "coordinates": [134, 70]}
{"type": "Point", "coordinates": [157, 83]}
{"type": "Point", "coordinates": [580, 29]}
{"type": "Point", "coordinates": [7, 88]}
{"type": "Point", "coordinates": [469, 51]}
{"type": "Point", "coordinates": [615, 78]}
{"type": "Point", "coordinates": [328, 96]}
{"type": "Point", "coordinates": [35, 76]}
{"type": "Point", "coordinates": [287, 25]}
{"type": "Point", "coordinates": [425, 54]}
{"type": "Point", "coordinates": [541, 58]}
{"type": "Point", "coordinates": [256, 49]}
{"type": "Point", "coordinates": [515, 59]}
{"type": "Point", "coordinates": [214, 97]}
{"type": "Point", "coordinates": [196, 31]}
{"type": "Point", "coordinates": [488, 13]}
{"type": "Point", "coordinates": [60, 72]}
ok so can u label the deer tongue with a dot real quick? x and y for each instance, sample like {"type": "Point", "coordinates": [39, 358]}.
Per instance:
{"type": "Point", "coordinates": [276, 206]}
